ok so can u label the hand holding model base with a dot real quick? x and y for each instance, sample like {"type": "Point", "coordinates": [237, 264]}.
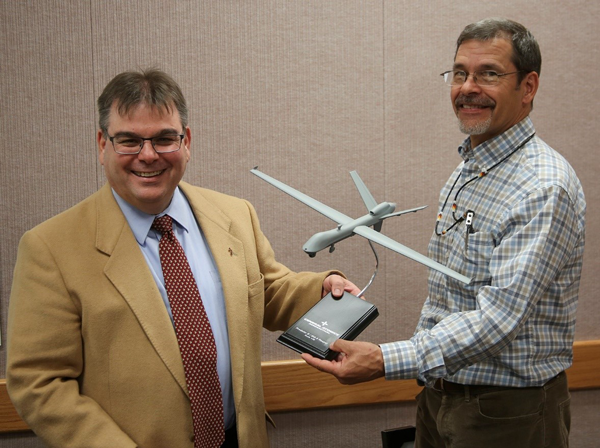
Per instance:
{"type": "Point", "coordinates": [356, 362]}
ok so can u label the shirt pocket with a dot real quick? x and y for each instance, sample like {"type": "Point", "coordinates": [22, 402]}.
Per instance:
{"type": "Point", "coordinates": [471, 254]}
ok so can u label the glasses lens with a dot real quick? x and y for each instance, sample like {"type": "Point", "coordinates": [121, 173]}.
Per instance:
{"type": "Point", "coordinates": [487, 78]}
{"type": "Point", "coordinates": [127, 145]}
{"type": "Point", "coordinates": [455, 77]}
{"type": "Point", "coordinates": [166, 143]}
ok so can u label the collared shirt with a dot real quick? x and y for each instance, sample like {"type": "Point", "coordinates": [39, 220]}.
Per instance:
{"type": "Point", "coordinates": [513, 325]}
{"type": "Point", "coordinates": [190, 236]}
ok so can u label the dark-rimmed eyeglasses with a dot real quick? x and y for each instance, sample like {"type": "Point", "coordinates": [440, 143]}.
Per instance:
{"type": "Point", "coordinates": [127, 144]}
{"type": "Point", "coordinates": [481, 78]}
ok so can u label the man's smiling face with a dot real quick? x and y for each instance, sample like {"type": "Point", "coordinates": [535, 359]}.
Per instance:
{"type": "Point", "coordinates": [487, 111]}
{"type": "Point", "coordinates": [146, 180]}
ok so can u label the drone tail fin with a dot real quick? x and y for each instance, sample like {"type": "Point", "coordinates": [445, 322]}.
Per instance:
{"type": "Point", "coordinates": [365, 194]}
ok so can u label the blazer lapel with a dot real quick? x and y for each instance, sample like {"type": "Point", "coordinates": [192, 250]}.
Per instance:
{"type": "Point", "coordinates": [229, 256]}
{"type": "Point", "coordinates": [128, 271]}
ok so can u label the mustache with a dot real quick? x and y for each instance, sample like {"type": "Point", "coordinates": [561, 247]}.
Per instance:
{"type": "Point", "coordinates": [473, 101]}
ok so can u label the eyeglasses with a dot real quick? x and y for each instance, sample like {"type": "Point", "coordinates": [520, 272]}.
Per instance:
{"type": "Point", "coordinates": [126, 144]}
{"type": "Point", "coordinates": [481, 78]}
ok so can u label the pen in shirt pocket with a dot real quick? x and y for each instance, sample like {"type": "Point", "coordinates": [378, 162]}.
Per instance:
{"type": "Point", "coordinates": [469, 224]}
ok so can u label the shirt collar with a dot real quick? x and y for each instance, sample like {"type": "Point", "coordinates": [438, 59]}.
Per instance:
{"type": "Point", "coordinates": [140, 222]}
{"type": "Point", "coordinates": [490, 152]}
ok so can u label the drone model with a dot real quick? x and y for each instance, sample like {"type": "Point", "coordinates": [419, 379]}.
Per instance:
{"type": "Point", "coordinates": [348, 227]}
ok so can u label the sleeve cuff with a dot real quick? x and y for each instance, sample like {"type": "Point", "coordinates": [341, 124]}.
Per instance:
{"type": "Point", "coordinates": [400, 360]}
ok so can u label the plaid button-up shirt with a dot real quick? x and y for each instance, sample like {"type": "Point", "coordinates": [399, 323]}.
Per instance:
{"type": "Point", "coordinates": [513, 325]}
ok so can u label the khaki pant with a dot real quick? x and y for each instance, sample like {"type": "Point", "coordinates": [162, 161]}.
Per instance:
{"type": "Point", "coordinates": [494, 417]}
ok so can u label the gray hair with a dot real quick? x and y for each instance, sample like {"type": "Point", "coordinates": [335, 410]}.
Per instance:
{"type": "Point", "coordinates": [526, 55]}
{"type": "Point", "coordinates": [130, 89]}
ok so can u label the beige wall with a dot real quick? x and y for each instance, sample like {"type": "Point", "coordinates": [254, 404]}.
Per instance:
{"type": "Point", "coordinates": [307, 90]}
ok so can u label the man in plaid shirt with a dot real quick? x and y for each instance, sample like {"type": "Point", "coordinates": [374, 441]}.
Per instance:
{"type": "Point", "coordinates": [492, 354]}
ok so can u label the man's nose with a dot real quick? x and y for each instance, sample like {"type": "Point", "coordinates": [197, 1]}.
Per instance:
{"type": "Point", "coordinates": [470, 85]}
{"type": "Point", "coordinates": [147, 152]}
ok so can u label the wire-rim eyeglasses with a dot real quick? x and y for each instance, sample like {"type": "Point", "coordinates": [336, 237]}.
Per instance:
{"type": "Point", "coordinates": [456, 77]}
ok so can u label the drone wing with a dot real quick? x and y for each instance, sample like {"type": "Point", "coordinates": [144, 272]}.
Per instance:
{"type": "Point", "coordinates": [331, 213]}
{"type": "Point", "coordinates": [385, 241]}
{"type": "Point", "coordinates": [403, 212]}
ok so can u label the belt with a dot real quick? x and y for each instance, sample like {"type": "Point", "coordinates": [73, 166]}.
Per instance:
{"type": "Point", "coordinates": [455, 388]}
{"type": "Point", "coordinates": [450, 387]}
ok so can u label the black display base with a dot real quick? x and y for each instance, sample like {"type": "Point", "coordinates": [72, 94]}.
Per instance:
{"type": "Point", "coordinates": [328, 320]}
{"type": "Point", "coordinates": [397, 437]}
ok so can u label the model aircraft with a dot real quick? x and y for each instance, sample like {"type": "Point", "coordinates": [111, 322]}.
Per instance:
{"type": "Point", "coordinates": [348, 227]}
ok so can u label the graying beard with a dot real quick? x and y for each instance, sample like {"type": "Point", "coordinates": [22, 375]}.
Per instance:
{"type": "Point", "coordinates": [476, 129]}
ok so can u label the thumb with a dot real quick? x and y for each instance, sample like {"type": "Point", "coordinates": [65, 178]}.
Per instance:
{"type": "Point", "coordinates": [341, 346]}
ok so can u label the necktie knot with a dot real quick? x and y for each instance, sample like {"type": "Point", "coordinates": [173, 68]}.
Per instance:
{"type": "Point", "coordinates": [163, 225]}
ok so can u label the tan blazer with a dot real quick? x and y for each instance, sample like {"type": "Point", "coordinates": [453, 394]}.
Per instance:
{"type": "Point", "coordinates": [92, 356]}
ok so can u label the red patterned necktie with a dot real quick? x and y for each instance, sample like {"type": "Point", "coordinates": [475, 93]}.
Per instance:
{"type": "Point", "coordinates": [195, 337]}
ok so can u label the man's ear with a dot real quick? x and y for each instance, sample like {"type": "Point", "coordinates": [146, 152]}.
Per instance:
{"type": "Point", "coordinates": [101, 141]}
{"type": "Point", "coordinates": [530, 84]}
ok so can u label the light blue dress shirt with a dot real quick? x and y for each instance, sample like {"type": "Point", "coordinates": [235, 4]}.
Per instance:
{"type": "Point", "coordinates": [190, 236]}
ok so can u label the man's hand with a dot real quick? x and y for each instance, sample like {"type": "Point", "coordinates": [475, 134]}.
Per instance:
{"type": "Point", "coordinates": [357, 362]}
{"type": "Point", "coordinates": [336, 284]}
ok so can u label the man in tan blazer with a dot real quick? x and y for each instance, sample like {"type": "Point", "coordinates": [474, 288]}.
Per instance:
{"type": "Point", "coordinates": [93, 359]}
